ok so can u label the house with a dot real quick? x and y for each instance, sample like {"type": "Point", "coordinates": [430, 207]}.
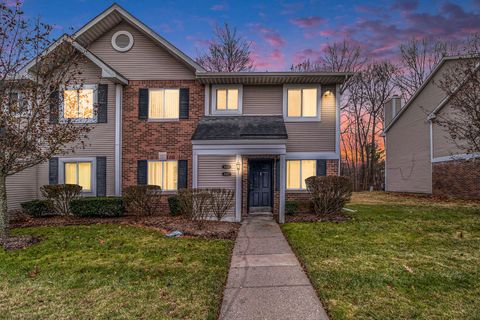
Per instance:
{"type": "Point", "coordinates": [163, 120]}
{"type": "Point", "coordinates": [420, 155]}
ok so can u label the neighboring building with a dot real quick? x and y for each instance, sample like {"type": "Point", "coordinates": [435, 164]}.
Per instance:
{"type": "Point", "coordinates": [163, 120]}
{"type": "Point", "coordinates": [420, 155]}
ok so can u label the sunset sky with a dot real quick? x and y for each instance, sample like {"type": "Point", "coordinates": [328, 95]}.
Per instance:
{"type": "Point", "coordinates": [282, 32]}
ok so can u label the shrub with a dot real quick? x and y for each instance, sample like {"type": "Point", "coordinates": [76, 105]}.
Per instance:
{"type": "Point", "coordinates": [174, 205]}
{"type": "Point", "coordinates": [98, 207]}
{"type": "Point", "coordinates": [195, 203]}
{"type": "Point", "coordinates": [38, 208]}
{"type": "Point", "coordinates": [61, 195]}
{"type": "Point", "coordinates": [291, 207]}
{"type": "Point", "coordinates": [142, 200]}
{"type": "Point", "coordinates": [220, 201]}
{"type": "Point", "coordinates": [329, 194]}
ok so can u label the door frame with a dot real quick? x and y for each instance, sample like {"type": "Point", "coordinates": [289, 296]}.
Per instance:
{"type": "Point", "coordinates": [271, 163]}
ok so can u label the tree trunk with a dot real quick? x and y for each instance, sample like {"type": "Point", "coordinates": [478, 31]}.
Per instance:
{"type": "Point", "coordinates": [3, 207]}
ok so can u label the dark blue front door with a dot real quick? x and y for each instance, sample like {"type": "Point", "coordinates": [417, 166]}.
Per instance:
{"type": "Point", "coordinates": [260, 183]}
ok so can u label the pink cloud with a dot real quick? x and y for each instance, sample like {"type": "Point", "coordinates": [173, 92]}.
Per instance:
{"type": "Point", "coordinates": [272, 37]}
{"type": "Point", "coordinates": [274, 60]}
{"type": "Point", "coordinates": [307, 22]}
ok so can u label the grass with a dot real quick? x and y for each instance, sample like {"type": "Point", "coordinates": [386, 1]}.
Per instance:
{"type": "Point", "coordinates": [112, 272]}
{"type": "Point", "coordinates": [396, 259]}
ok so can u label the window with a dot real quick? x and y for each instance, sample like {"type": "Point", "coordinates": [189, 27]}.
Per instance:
{"type": "Point", "coordinates": [163, 174]}
{"type": "Point", "coordinates": [298, 171]}
{"type": "Point", "coordinates": [227, 99]}
{"type": "Point", "coordinates": [17, 102]}
{"type": "Point", "coordinates": [164, 103]}
{"type": "Point", "coordinates": [301, 103]}
{"type": "Point", "coordinates": [122, 41]}
{"type": "Point", "coordinates": [79, 172]}
{"type": "Point", "coordinates": [78, 103]}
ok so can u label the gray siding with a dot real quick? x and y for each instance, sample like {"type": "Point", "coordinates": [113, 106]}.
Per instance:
{"type": "Point", "coordinates": [145, 61]}
{"type": "Point", "coordinates": [443, 145]}
{"type": "Point", "coordinates": [21, 187]}
{"type": "Point", "coordinates": [262, 100]}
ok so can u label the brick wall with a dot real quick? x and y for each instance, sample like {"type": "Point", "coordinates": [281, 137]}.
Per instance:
{"type": "Point", "coordinates": [143, 140]}
{"type": "Point", "coordinates": [457, 178]}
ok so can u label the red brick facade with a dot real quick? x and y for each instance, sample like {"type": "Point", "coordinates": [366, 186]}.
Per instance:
{"type": "Point", "coordinates": [143, 140]}
{"type": "Point", "coordinates": [456, 178]}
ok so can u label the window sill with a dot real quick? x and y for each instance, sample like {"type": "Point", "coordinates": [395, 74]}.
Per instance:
{"type": "Point", "coordinates": [296, 191]}
{"type": "Point", "coordinates": [163, 120]}
{"type": "Point", "coordinates": [78, 121]}
{"type": "Point", "coordinates": [316, 119]}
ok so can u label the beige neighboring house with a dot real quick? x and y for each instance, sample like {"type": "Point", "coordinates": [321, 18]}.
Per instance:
{"type": "Point", "coordinates": [420, 156]}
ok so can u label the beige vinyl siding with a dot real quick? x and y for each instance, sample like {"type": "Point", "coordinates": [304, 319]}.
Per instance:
{"type": "Point", "coordinates": [209, 174]}
{"type": "Point", "coordinates": [262, 100]}
{"type": "Point", "coordinates": [408, 167]}
{"type": "Point", "coordinates": [145, 61]}
{"type": "Point", "coordinates": [21, 187]}
{"type": "Point", "coordinates": [443, 146]}
{"type": "Point", "coordinates": [317, 136]}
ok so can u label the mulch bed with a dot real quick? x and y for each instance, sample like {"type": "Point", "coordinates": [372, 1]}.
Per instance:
{"type": "Point", "coordinates": [18, 242]}
{"type": "Point", "coordinates": [164, 224]}
{"type": "Point", "coordinates": [313, 217]}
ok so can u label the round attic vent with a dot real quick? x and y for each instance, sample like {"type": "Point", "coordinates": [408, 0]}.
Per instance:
{"type": "Point", "coordinates": [122, 41]}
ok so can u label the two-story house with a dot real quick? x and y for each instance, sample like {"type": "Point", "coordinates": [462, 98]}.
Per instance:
{"type": "Point", "coordinates": [163, 120]}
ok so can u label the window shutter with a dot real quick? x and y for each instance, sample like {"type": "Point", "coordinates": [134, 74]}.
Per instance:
{"type": "Point", "coordinates": [102, 103]}
{"type": "Point", "coordinates": [184, 103]}
{"type": "Point", "coordinates": [182, 174]}
{"type": "Point", "coordinates": [53, 171]}
{"type": "Point", "coordinates": [143, 104]}
{"type": "Point", "coordinates": [142, 172]}
{"type": "Point", "coordinates": [101, 176]}
{"type": "Point", "coordinates": [54, 106]}
{"type": "Point", "coordinates": [277, 174]}
{"type": "Point", "coordinates": [321, 168]}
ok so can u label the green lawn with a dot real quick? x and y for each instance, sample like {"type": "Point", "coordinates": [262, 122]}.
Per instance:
{"type": "Point", "coordinates": [112, 272]}
{"type": "Point", "coordinates": [395, 261]}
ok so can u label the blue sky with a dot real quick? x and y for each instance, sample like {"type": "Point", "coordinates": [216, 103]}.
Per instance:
{"type": "Point", "coordinates": [282, 32]}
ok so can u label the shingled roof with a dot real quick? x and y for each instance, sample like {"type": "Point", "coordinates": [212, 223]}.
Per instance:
{"type": "Point", "coordinates": [240, 128]}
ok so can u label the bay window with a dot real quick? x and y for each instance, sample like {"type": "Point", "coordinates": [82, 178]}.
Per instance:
{"type": "Point", "coordinates": [163, 174]}
{"type": "Point", "coordinates": [298, 171]}
{"type": "Point", "coordinates": [164, 104]}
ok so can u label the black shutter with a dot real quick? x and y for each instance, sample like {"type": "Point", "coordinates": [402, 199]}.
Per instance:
{"type": "Point", "coordinates": [142, 103]}
{"type": "Point", "coordinates": [102, 103]}
{"type": "Point", "coordinates": [53, 171]}
{"type": "Point", "coordinates": [54, 104]}
{"type": "Point", "coordinates": [277, 174]}
{"type": "Point", "coordinates": [142, 172]}
{"type": "Point", "coordinates": [321, 168]}
{"type": "Point", "coordinates": [101, 176]}
{"type": "Point", "coordinates": [182, 174]}
{"type": "Point", "coordinates": [184, 103]}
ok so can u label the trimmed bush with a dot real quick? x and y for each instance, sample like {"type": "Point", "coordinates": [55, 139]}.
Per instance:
{"type": "Point", "coordinates": [97, 207]}
{"type": "Point", "coordinates": [61, 195]}
{"type": "Point", "coordinates": [38, 208]}
{"type": "Point", "coordinates": [329, 194]}
{"type": "Point", "coordinates": [142, 200]}
{"type": "Point", "coordinates": [174, 205]}
{"type": "Point", "coordinates": [291, 207]}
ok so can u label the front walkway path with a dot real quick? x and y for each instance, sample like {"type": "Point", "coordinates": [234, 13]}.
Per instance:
{"type": "Point", "coordinates": [266, 280]}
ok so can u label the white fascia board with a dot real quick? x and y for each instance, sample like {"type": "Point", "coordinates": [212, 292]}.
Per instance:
{"type": "Point", "coordinates": [239, 150]}
{"type": "Point", "coordinates": [240, 142]}
{"type": "Point", "coordinates": [463, 156]}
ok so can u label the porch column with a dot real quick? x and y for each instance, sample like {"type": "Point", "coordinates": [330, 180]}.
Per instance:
{"type": "Point", "coordinates": [238, 189]}
{"type": "Point", "coordinates": [281, 213]}
{"type": "Point", "coordinates": [118, 139]}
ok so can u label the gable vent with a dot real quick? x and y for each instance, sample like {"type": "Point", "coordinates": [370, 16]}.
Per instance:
{"type": "Point", "coordinates": [122, 41]}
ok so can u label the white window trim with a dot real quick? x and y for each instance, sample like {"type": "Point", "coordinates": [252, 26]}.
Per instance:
{"type": "Point", "coordinates": [317, 118]}
{"type": "Point", "coordinates": [227, 112]}
{"type": "Point", "coordinates": [163, 119]}
{"type": "Point", "coordinates": [163, 174]}
{"type": "Point", "coordinates": [119, 33]}
{"type": "Point", "coordinates": [94, 119]}
{"type": "Point", "coordinates": [27, 104]}
{"type": "Point", "coordinates": [301, 173]}
{"type": "Point", "coordinates": [61, 172]}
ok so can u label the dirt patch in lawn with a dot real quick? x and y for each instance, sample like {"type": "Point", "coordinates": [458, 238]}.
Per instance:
{"type": "Point", "coordinates": [313, 217]}
{"type": "Point", "coordinates": [164, 224]}
{"type": "Point", "coordinates": [18, 242]}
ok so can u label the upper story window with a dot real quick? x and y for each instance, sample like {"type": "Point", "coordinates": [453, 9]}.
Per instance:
{"type": "Point", "coordinates": [122, 41]}
{"type": "Point", "coordinates": [17, 102]}
{"type": "Point", "coordinates": [301, 103]}
{"type": "Point", "coordinates": [163, 104]}
{"type": "Point", "coordinates": [163, 174]}
{"type": "Point", "coordinates": [79, 102]}
{"type": "Point", "coordinates": [227, 99]}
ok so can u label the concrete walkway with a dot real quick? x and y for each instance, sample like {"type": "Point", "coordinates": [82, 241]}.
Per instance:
{"type": "Point", "coordinates": [266, 280]}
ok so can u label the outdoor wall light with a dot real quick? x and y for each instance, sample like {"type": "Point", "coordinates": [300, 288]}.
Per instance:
{"type": "Point", "coordinates": [238, 166]}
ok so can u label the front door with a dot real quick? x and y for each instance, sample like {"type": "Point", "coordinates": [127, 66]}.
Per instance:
{"type": "Point", "coordinates": [260, 183]}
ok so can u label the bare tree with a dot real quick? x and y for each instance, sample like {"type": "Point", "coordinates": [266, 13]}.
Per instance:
{"type": "Point", "coordinates": [30, 132]}
{"type": "Point", "coordinates": [227, 52]}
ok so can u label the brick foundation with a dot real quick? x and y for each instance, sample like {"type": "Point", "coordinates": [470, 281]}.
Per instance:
{"type": "Point", "coordinates": [457, 178]}
{"type": "Point", "coordinates": [143, 140]}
